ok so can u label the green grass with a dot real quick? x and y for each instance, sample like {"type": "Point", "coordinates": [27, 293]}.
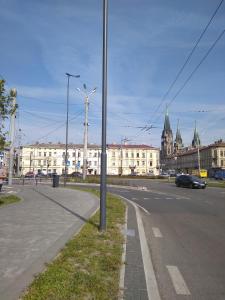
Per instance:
{"type": "Point", "coordinates": [4, 200]}
{"type": "Point", "coordinates": [89, 265]}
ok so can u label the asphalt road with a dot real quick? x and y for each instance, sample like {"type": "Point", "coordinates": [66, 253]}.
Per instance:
{"type": "Point", "coordinates": [185, 230]}
{"type": "Point", "coordinates": [186, 237]}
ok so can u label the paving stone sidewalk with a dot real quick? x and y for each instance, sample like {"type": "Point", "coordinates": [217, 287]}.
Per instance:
{"type": "Point", "coordinates": [34, 230]}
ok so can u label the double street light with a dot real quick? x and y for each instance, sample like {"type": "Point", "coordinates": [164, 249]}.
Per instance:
{"type": "Point", "coordinates": [67, 122]}
{"type": "Point", "coordinates": [86, 95]}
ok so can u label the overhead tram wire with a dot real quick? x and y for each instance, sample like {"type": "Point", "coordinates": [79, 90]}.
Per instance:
{"type": "Point", "coordinates": [192, 73]}
{"type": "Point", "coordinates": [189, 57]}
{"type": "Point", "coordinates": [197, 67]}
{"type": "Point", "coordinates": [60, 126]}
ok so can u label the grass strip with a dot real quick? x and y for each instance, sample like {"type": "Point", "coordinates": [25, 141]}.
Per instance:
{"type": "Point", "coordinates": [4, 200]}
{"type": "Point", "coordinates": [89, 265]}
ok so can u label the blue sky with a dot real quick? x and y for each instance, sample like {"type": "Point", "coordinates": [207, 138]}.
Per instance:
{"type": "Point", "coordinates": [149, 40]}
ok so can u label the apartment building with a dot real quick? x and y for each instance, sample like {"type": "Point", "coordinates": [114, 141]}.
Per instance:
{"type": "Point", "coordinates": [121, 159]}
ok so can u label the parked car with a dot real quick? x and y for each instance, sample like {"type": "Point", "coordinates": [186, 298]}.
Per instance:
{"type": "Point", "coordinates": [190, 181]}
{"type": "Point", "coordinates": [29, 175]}
{"type": "Point", "coordinates": [41, 174]}
{"type": "Point", "coordinates": [75, 174]}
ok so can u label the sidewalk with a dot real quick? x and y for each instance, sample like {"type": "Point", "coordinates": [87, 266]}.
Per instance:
{"type": "Point", "coordinates": [33, 231]}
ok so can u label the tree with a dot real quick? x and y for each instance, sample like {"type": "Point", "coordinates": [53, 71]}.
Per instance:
{"type": "Point", "coordinates": [6, 110]}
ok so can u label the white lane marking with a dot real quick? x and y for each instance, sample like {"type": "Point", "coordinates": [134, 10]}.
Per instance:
{"type": "Point", "coordinates": [146, 198]}
{"type": "Point", "coordinates": [178, 281]}
{"type": "Point", "coordinates": [156, 198]}
{"type": "Point", "coordinates": [151, 283]}
{"type": "Point", "coordinates": [157, 233]}
{"type": "Point", "coordinates": [122, 269]}
{"type": "Point", "coordinates": [168, 198]}
{"type": "Point", "coordinates": [134, 198]}
{"type": "Point", "coordinates": [145, 210]}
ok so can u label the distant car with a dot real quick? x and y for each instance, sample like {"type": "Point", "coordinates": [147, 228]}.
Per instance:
{"type": "Point", "coordinates": [75, 174]}
{"type": "Point", "coordinates": [29, 175]}
{"type": "Point", "coordinates": [190, 181]}
{"type": "Point", "coordinates": [41, 174]}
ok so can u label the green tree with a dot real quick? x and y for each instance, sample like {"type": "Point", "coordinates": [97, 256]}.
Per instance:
{"type": "Point", "coordinates": [6, 110]}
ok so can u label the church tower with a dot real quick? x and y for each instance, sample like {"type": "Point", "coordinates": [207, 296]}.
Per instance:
{"type": "Point", "coordinates": [178, 143]}
{"type": "Point", "coordinates": [196, 139]}
{"type": "Point", "coordinates": [166, 138]}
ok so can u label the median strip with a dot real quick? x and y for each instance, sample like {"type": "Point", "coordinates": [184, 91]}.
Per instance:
{"type": "Point", "coordinates": [89, 265]}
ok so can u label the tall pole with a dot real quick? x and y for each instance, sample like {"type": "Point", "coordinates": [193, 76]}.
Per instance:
{"type": "Point", "coordinates": [85, 138]}
{"type": "Point", "coordinates": [104, 120]}
{"type": "Point", "coordinates": [199, 166]}
{"type": "Point", "coordinates": [13, 94]}
{"type": "Point", "coordinates": [67, 122]}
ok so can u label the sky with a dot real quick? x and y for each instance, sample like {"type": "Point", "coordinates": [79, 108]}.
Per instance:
{"type": "Point", "coordinates": [148, 42]}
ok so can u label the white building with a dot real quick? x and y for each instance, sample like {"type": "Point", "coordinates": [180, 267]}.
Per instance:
{"type": "Point", "coordinates": [121, 159]}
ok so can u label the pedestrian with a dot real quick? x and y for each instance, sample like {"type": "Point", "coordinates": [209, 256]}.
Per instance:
{"type": "Point", "coordinates": [2, 176]}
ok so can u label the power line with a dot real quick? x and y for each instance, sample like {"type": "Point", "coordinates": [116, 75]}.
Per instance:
{"type": "Point", "coordinates": [189, 57]}
{"type": "Point", "coordinates": [60, 126]}
{"type": "Point", "coordinates": [197, 67]}
{"type": "Point", "coordinates": [47, 101]}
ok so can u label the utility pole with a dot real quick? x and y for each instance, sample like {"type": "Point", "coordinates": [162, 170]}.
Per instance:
{"type": "Point", "coordinates": [199, 166]}
{"type": "Point", "coordinates": [13, 94]}
{"type": "Point", "coordinates": [86, 103]}
{"type": "Point", "coordinates": [86, 95]}
{"type": "Point", "coordinates": [67, 121]}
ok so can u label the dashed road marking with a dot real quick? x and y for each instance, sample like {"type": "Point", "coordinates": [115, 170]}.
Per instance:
{"type": "Point", "coordinates": [156, 198]}
{"type": "Point", "coordinates": [157, 232]}
{"type": "Point", "coordinates": [134, 198]}
{"type": "Point", "coordinates": [168, 198]}
{"type": "Point", "coordinates": [178, 281]}
{"type": "Point", "coordinates": [146, 198]}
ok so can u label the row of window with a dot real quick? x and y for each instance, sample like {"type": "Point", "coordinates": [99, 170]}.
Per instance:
{"type": "Point", "coordinates": [131, 155]}
{"type": "Point", "coordinates": [50, 154]}
{"type": "Point", "coordinates": [137, 163]}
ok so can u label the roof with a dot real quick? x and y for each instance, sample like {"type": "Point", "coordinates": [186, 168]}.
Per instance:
{"type": "Point", "coordinates": [90, 146]}
{"type": "Point", "coordinates": [141, 146]}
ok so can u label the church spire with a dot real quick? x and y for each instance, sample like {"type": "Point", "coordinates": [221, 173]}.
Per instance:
{"type": "Point", "coordinates": [178, 140]}
{"type": "Point", "coordinates": [167, 121]}
{"type": "Point", "coordinates": [196, 139]}
{"type": "Point", "coordinates": [166, 137]}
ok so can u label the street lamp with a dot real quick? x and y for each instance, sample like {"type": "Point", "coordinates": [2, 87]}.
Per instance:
{"type": "Point", "coordinates": [86, 95]}
{"type": "Point", "coordinates": [67, 120]}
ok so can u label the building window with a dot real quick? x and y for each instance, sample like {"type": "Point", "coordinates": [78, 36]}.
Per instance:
{"type": "Point", "coordinates": [215, 153]}
{"type": "Point", "coordinates": [150, 163]}
{"type": "Point", "coordinates": [63, 154]}
{"type": "Point", "coordinates": [143, 155]}
{"type": "Point", "coordinates": [55, 153]}
{"type": "Point", "coordinates": [39, 153]}
{"type": "Point", "coordinates": [150, 155]}
{"type": "Point", "coordinates": [54, 162]}
{"type": "Point", "coordinates": [89, 163]}
{"type": "Point", "coordinates": [137, 155]}
{"type": "Point", "coordinates": [138, 163]}
{"type": "Point", "coordinates": [113, 154]}
{"type": "Point", "coordinates": [74, 162]}
{"type": "Point", "coordinates": [73, 154]}
{"type": "Point", "coordinates": [50, 153]}
{"type": "Point", "coordinates": [49, 163]}
{"type": "Point", "coordinates": [95, 163]}
{"type": "Point", "coordinates": [126, 154]}
{"type": "Point", "coordinates": [221, 163]}
{"type": "Point", "coordinates": [113, 164]}
{"type": "Point", "coordinates": [90, 154]}
{"type": "Point", "coordinates": [45, 153]}
{"type": "Point", "coordinates": [39, 162]}
{"type": "Point", "coordinates": [143, 163]}
{"type": "Point", "coordinates": [45, 163]}
{"type": "Point", "coordinates": [132, 155]}
{"type": "Point", "coordinates": [95, 154]}
{"type": "Point", "coordinates": [221, 153]}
